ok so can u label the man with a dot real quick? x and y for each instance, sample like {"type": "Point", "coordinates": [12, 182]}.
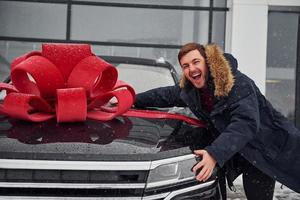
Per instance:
{"type": "Point", "coordinates": [259, 142]}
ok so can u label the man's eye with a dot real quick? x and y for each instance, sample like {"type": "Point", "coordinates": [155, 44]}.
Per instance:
{"type": "Point", "coordinates": [185, 66]}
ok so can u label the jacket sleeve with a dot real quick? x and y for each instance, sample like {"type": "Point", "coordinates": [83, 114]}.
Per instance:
{"type": "Point", "coordinates": [243, 125]}
{"type": "Point", "coordinates": [160, 97]}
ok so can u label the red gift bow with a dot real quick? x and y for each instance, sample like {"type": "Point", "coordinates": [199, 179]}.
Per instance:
{"type": "Point", "coordinates": [68, 81]}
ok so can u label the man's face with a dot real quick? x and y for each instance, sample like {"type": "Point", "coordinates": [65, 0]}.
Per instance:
{"type": "Point", "coordinates": [194, 68]}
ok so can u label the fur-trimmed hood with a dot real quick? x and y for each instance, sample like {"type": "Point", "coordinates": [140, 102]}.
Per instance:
{"type": "Point", "coordinates": [220, 69]}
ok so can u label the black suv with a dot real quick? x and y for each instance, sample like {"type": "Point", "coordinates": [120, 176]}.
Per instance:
{"type": "Point", "coordinates": [125, 158]}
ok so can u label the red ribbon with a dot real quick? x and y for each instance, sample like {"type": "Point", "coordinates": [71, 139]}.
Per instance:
{"type": "Point", "coordinates": [64, 80]}
{"type": "Point", "coordinates": [69, 82]}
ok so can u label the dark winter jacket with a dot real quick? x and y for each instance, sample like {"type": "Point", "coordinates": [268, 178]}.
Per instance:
{"type": "Point", "coordinates": [246, 121]}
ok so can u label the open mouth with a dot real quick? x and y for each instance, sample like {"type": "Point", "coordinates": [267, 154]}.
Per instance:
{"type": "Point", "coordinates": [196, 76]}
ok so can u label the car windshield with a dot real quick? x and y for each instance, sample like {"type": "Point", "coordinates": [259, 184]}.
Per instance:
{"type": "Point", "coordinates": [4, 68]}
{"type": "Point", "coordinates": [144, 77]}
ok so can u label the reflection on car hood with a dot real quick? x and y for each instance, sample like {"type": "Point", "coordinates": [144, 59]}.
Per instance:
{"type": "Point", "coordinates": [123, 138]}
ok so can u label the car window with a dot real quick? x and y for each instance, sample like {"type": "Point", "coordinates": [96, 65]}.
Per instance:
{"type": "Point", "coordinates": [4, 73]}
{"type": "Point", "coordinates": [144, 77]}
{"type": "Point", "coordinates": [4, 68]}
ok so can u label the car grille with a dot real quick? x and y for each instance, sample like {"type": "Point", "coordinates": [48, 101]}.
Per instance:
{"type": "Point", "coordinates": [43, 179]}
{"type": "Point", "coordinates": [71, 176]}
{"type": "Point", "coordinates": [72, 183]}
{"type": "Point", "coordinates": [34, 178]}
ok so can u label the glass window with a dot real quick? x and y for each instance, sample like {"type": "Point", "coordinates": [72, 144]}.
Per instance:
{"type": "Point", "coordinates": [155, 76]}
{"type": "Point", "coordinates": [281, 61]}
{"type": "Point", "coordinates": [34, 20]}
{"type": "Point", "coordinates": [169, 55]}
{"type": "Point", "coordinates": [4, 62]}
{"type": "Point", "coordinates": [134, 25]}
{"type": "Point", "coordinates": [201, 24]}
{"type": "Point", "coordinates": [218, 31]}
{"type": "Point", "coordinates": [220, 3]}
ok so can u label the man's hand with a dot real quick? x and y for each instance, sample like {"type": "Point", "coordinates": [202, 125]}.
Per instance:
{"type": "Point", "coordinates": [205, 166]}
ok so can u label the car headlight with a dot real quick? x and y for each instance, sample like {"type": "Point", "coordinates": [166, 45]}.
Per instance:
{"type": "Point", "coordinates": [173, 172]}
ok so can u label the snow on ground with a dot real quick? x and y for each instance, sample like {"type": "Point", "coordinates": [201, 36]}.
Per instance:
{"type": "Point", "coordinates": [281, 192]}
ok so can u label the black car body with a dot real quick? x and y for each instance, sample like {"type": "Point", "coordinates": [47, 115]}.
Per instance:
{"type": "Point", "coordinates": [125, 158]}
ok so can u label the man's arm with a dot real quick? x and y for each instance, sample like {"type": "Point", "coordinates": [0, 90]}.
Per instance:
{"type": "Point", "coordinates": [160, 97]}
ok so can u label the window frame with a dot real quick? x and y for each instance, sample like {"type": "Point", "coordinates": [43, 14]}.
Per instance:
{"type": "Point", "coordinates": [69, 3]}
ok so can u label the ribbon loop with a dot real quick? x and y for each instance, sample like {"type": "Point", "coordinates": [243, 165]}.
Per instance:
{"type": "Point", "coordinates": [47, 77]}
{"type": "Point", "coordinates": [71, 105]}
{"type": "Point", "coordinates": [20, 59]}
{"type": "Point", "coordinates": [27, 107]}
{"type": "Point", "coordinates": [100, 112]}
{"type": "Point", "coordinates": [93, 74]}
{"type": "Point", "coordinates": [8, 88]}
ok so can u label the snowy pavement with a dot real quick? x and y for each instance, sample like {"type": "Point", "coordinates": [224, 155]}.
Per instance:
{"type": "Point", "coordinates": [281, 192]}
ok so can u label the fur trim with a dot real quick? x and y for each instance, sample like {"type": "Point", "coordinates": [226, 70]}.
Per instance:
{"type": "Point", "coordinates": [182, 81]}
{"type": "Point", "coordinates": [220, 71]}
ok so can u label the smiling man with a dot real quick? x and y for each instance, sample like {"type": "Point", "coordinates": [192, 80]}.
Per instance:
{"type": "Point", "coordinates": [251, 137]}
{"type": "Point", "coordinates": [194, 68]}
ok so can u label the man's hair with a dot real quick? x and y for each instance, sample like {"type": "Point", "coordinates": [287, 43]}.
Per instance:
{"type": "Point", "coordinates": [190, 47]}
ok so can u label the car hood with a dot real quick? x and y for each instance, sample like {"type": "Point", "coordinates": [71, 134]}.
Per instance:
{"type": "Point", "coordinates": [123, 138]}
